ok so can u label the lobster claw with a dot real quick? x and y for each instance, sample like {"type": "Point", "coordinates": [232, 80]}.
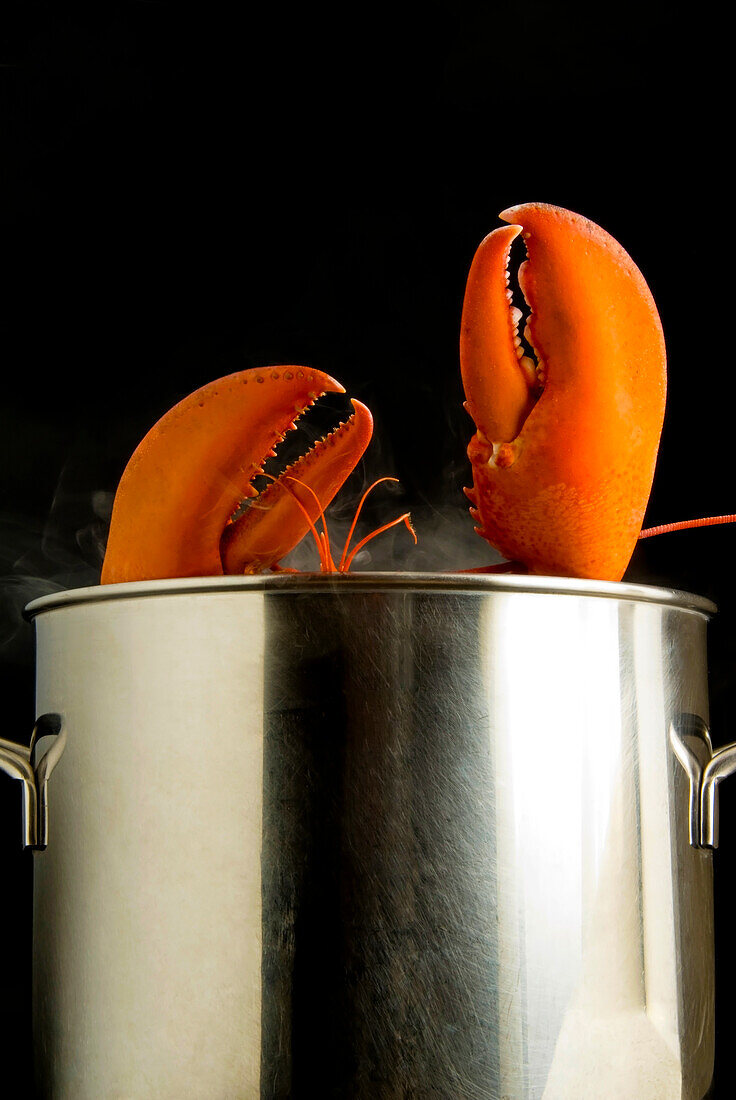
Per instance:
{"type": "Point", "coordinates": [174, 509]}
{"type": "Point", "coordinates": [568, 428]}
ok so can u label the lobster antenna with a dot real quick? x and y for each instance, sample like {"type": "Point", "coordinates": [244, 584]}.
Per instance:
{"type": "Point", "coordinates": [406, 519]}
{"type": "Point", "coordinates": [353, 525]}
{"type": "Point", "coordinates": [322, 539]}
{"type": "Point", "coordinates": [323, 561]}
{"type": "Point", "coordinates": [685, 525]}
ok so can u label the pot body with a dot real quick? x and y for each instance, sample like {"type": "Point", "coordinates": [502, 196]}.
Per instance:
{"type": "Point", "coordinates": [372, 837]}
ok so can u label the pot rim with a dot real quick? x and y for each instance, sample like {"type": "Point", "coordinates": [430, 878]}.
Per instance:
{"type": "Point", "coordinates": [283, 583]}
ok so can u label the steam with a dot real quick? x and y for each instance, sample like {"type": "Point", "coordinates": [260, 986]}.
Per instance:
{"type": "Point", "coordinates": [445, 531]}
{"type": "Point", "coordinates": [446, 539]}
{"type": "Point", "coordinates": [40, 557]}
{"type": "Point", "coordinates": [66, 550]}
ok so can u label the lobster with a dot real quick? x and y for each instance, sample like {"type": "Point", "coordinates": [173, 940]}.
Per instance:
{"type": "Point", "coordinates": [567, 428]}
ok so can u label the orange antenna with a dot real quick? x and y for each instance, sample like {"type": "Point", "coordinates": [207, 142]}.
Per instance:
{"type": "Point", "coordinates": [325, 560]}
{"type": "Point", "coordinates": [358, 510]}
{"type": "Point", "coordinates": [322, 539]}
{"type": "Point", "coordinates": [685, 525]}
{"type": "Point", "coordinates": [406, 519]}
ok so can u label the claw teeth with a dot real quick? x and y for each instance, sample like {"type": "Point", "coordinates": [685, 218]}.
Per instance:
{"type": "Point", "coordinates": [530, 370]}
{"type": "Point", "coordinates": [328, 441]}
{"type": "Point", "coordinates": [471, 495]}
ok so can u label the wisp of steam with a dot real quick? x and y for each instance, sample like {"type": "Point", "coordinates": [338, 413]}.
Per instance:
{"type": "Point", "coordinates": [67, 549]}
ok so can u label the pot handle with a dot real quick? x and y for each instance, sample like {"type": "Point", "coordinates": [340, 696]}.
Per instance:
{"type": "Point", "coordinates": [691, 744]}
{"type": "Point", "coordinates": [19, 762]}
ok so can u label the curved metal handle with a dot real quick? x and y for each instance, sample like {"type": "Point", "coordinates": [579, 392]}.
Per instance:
{"type": "Point", "coordinates": [19, 762]}
{"type": "Point", "coordinates": [721, 765]}
{"type": "Point", "coordinates": [691, 744]}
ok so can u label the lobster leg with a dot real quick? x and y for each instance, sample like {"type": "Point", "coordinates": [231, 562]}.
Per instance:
{"type": "Point", "coordinates": [564, 452]}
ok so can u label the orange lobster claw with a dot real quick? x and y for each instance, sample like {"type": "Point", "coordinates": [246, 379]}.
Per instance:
{"type": "Point", "coordinates": [564, 453]}
{"type": "Point", "coordinates": [193, 470]}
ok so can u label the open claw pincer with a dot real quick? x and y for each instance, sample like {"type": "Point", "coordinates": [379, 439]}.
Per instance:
{"type": "Point", "coordinates": [174, 510]}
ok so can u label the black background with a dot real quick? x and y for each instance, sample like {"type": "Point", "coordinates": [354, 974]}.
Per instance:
{"type": "Point", "coordinates": [187, 191]}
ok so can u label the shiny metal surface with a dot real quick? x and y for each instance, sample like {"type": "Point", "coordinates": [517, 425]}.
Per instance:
{"type": "Point", "coordinates": [33, 769]}
{"type": "Point", "coordinates": [290, 584]}
{"type": "Point", "coordinates": [373, 837]}
{"type": "Point", "coordinates": [691, 743]}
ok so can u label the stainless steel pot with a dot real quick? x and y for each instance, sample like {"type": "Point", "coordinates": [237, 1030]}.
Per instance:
{"type": "Point", "coordinates": [373, 836]}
